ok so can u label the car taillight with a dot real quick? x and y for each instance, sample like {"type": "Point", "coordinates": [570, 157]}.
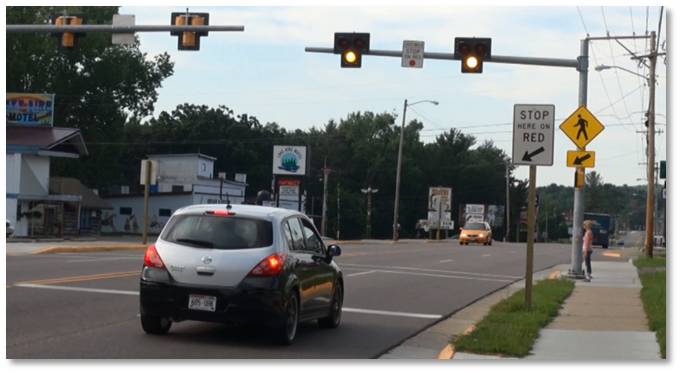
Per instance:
{"type": "Point", "coordinates": [152, 259]}
{"type": "Point", "coordinates": [269, 266]}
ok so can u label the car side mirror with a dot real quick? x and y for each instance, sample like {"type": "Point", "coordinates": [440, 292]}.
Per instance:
{"type": "Point", "coordinates": [334, 250]}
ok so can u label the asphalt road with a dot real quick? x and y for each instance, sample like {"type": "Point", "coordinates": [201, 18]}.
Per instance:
{"type": "Point", "coordinates": [86, 305]}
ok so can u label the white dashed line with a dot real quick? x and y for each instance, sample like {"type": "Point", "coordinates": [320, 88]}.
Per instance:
{"type": "Point", "coordinates": [360, 273]}
{"type": "Point", "coordinates": [446, 261]}
{"type": "Point", "coordinates": [391, 313]}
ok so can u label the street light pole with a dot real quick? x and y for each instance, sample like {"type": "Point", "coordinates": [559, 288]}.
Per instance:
{"type": "Point", "coordinates": [395, 233]}
{"type": "Point", "coordinates": [507, 201]}
{"type": "Point", "coordinates": [395, 221]}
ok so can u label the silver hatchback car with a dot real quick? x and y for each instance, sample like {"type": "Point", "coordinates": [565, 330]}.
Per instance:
{"type": "Point", "coordinates": [239, 263]}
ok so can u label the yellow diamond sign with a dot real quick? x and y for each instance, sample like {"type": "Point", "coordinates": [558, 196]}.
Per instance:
{"type": "Point", "coordinates": [581, 127]}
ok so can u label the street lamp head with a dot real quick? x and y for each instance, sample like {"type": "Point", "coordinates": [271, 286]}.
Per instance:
{"type": "Point", "coordinates": [602, 67]}
{"type": "Point", "coordinates": [435, 102]}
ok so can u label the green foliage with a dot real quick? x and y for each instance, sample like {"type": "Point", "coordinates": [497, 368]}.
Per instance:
{"type": "Point", "coordinates": [645, 262]}
{"type": "Point", "coordinates": [509, 328]}
{"type": "Point", "coordinates": [653, 296]}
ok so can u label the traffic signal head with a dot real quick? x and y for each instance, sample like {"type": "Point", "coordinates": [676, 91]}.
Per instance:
{"type": "Point", "coordinates": [187, 40]}
{"type": "Point", "coordinates": [350, 46]}
{"type": "Point", "coordinates": [67, 39]}
{"type": "Point", "coordinates": [472, 52]}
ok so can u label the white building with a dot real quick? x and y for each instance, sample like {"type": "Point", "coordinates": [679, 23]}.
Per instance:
{"type": "Point", "coordinates": [30, 207]}
{"type": "Point", "coordinates": [183, 179]}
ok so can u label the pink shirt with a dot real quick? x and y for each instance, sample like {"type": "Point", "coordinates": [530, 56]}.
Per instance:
{"type": "Point", "coordinates": [588, 240]}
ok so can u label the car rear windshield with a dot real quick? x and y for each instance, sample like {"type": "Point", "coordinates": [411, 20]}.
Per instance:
{"type": "Point", "coordinates": [219, 232]}
{"type": "Point", "coordinates": [475, 226]}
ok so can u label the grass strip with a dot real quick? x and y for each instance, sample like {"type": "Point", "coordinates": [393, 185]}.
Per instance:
{"type": "Point", "coordinates": [653, 296]}
{"type": "Point", "coordinates": [644, 262]}
{"type": "Point", "coordinates": [509, 328]}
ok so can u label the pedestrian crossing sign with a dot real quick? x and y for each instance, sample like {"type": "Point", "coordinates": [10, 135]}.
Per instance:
{"type": "Point", "coordinates": [581, 127]}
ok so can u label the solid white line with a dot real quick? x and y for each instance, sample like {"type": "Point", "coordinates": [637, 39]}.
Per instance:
{"type": "Point", "coordinates": [430, 270]}
{"type": "Point", "coordinates": [391, 313]}
{"type": "Point", "coordinates": [446, 261]}
{"type": "Point", "coordinates": [445, 276]}
{"type": "Point", "coordinates": [73, 288]}
{"type": "Point", "coordinates": [360, 273]}
{"type": "Point", "coordinates": [124, 292]}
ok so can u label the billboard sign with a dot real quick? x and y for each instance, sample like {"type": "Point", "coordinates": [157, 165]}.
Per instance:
{"type": "Point", "coordinates": [30, 109]}
{"type": "Point", "coordinates": [289, 160]}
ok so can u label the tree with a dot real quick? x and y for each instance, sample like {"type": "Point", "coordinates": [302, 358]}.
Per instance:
{"type": "Point", "coordinates": [98, 87]}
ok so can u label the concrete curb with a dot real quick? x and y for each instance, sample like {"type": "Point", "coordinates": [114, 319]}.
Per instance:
{"type": "Point", "coordinates": [88, 248]}
{"type": "Point", "coordinates": [428, 343]}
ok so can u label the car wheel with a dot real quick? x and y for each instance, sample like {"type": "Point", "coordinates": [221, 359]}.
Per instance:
{"type": "Point", "coordinates": [156, 324]}
{"type": "Point", "coordinates": [460, 242]}
{"type": "Point", "coordinates": [490, 242]}
{"type": "Point", "coordinates": [288, 330]}
{"type": "Point", "coordinates": [335, 315]}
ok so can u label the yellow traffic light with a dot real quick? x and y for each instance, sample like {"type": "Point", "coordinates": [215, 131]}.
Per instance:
{"type": "Point", "coordinates": [349, 57]}
{"type": "Point", "coordinates": [472, 52]}
{"type": "Point", "coordinates": [189, 40]}
{"type": "Point", "coordinates": [471, 62]}
{"type": "Point", "coordinates": [68, 39]}
{"type": "Point", "coordinates": [351, 46]}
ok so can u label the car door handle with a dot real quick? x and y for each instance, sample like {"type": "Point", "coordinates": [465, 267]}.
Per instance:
{"type": "Point", "coordinates": [205, 270]}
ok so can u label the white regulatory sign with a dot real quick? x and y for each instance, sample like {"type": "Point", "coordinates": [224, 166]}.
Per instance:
{"type": "Point", "coordinates": [533, 135]}
{"type": "Point", "coordinates": [412, 53]}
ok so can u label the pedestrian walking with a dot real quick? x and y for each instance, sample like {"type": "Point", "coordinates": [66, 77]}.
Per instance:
{"type": "Point", "coordinates": [588, 248]}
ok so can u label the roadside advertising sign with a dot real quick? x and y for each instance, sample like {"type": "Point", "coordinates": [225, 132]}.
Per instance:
{"type": "Point", "coordinates": [30, 109]}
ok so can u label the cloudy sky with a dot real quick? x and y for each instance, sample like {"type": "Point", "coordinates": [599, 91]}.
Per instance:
{"type": "Point", "coordinates": [265, 72]}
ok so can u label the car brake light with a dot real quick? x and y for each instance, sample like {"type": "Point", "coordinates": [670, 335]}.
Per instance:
{"type": "Point", "coordinates": [220, 212]}
{"type": "Point", "coordinates": [152, 259]}
{"type": "Point", "coordinates": [269, 266]}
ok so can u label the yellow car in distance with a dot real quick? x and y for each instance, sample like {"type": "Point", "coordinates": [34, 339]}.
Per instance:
{"type": "Point", "coordinates": [476, 232]}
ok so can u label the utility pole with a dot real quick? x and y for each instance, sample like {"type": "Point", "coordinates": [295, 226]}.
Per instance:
{"type": "Point", "coordinates": [324, 207]}
{"type": "Point", "coordinates": [395, 221]}
{"type": "Point", "coordinates": [369, 194]}
{"type": "Point", "coordinates": [337, 224]}
{"type": "Point", "coordinates": [649, 217]}
{"type": "Point", "coordinates": [507, 201]}
{"type": "Point", "coordinates": [147, 181]}
{"type": "Point", "coordinates": [576, 270]}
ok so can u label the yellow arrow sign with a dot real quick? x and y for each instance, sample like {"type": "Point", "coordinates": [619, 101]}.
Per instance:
{"type": "Point", "coordinates": [579, 158]}
{"type": "Point", "coordinates": [581, 127]}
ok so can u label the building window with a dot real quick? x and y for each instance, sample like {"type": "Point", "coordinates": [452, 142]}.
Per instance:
{"type": "Point", "coordinates": [164, 212]}
{"type": "Point", "coordinates": [178, 188]}
{"type": "Point", "coordinates": [125, 211]}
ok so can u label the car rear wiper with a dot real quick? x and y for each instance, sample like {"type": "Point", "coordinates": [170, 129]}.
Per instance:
{"type": "Point", "coordinates": [192, 241]}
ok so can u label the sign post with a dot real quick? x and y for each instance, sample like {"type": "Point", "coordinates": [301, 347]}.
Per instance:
{"type": "Point", "coordinates": [533, 133]}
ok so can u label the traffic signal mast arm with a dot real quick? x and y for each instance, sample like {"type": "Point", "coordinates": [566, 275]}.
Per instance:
{"type": "Point", "coordinates": [119, 29]}
{"type": "Point", "coordinates": [559, 62]}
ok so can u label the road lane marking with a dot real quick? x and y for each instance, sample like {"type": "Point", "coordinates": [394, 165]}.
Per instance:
{"type": "Point", "coordinates": [102, 259]}
{"type": "Point", "coordinates": [71, 288]}
{"type": "Point", "coordinates": [81, 278]}
{"type": "Point", "coordinates": [446, 261]}
{"type": "Point", "coordinates": [485, 255]}
{"type": "Point", "coordinates": [445, 276]}
{"type": "Point", "coordinates": [360, 273]}
{"type": "Point", "coordinates": [432, 270]}
{"type": "Point", "coordinates": [392, 313]}
{"type": "Point", "coordinates": [131, 292]}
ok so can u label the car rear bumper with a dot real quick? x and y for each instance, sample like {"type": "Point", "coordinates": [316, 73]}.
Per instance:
{"type": "Point", "coordinates": [474, 240]}
{"type": "Point", "coordinates": [234, 304]}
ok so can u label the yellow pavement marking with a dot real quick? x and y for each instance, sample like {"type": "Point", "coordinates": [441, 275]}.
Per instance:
{"type": "Point", "coordinates": [611, 254]}
{"type": "Point", "coordinates": [81, 278]}
{"type": "Point", "coordinates": [452, 348]}
{"type": "Point", "coordinates": [553, 275]}
{"type": "Point", "coordinates": [446, 353]}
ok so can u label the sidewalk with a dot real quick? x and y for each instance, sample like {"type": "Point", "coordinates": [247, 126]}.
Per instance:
{"type": "Point", "coordinates": [602, 320]}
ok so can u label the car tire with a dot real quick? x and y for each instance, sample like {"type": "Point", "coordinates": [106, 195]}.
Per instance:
{"type": "Point", "coordinates": [158, 325]}
{"type": "Point", "coordinates": [286, 332]}
{"type": "Point", "coordinates": [460, 242]}
{"type": "Point", "coordinates": [490, 242]}
{"type": "Point", "coordinates": [334, 317]}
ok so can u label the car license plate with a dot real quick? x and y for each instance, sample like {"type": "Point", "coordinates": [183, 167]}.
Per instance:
{"type": "Point", "coordinates": [202, 302]}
